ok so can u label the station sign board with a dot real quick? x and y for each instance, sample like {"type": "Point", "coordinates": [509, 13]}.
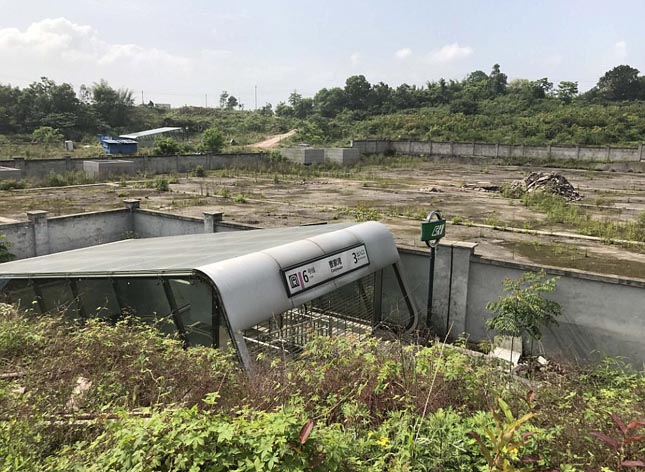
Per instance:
{"type": "Point", "coordinates": [317, 271]}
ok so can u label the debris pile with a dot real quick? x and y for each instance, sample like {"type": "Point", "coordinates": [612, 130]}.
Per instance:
{"type": "Point", "coordinates": [550, 182]}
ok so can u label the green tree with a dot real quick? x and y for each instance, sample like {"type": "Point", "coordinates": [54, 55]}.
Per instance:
{"type": "Point", "coordinates": [620, 83]}
{"type": "Point", "coordinates": [357, 90]}
{"type": "Point", "coordinates": [223, 99]}
{"type": "Point", "coordinates": [497, 81]}
{"type": "Point", "coordinates": [525, 310]}
{"type": "Point", "coordinates": [567, 91]}
{"type": "Point", "coordinates": [47, 135]}
{"type": "Point", "coordinates": [232, 103]}
{"type": "Point", "coordinates": [212, 140]}
{"type": "Point", "coordinates": [330, 102]}
{"type": "Point", "coordinates": [112, 107]}
{"type": "Point", "coordinates": [166, 147]}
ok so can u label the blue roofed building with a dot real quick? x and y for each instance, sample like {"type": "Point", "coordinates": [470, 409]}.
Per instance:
{"type": "Point", "coordinates": [118, 145]}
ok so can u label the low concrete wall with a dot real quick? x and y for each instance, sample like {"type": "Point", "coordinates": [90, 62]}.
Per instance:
{"type": "Point", "coordinates": [42, 235]}
{"type": "Point", "coordinates": [8, 173]}
{"type": "Point", "coordinates": [84, 229]}
{"type": "Point", "coordinates": [488, 150]}
{"type": "Point", "coordinates": [152, 224]}
{"type": "Point", "coordinates": [41, 168]}
{"type": "Point", "coordinates": [602, 315]}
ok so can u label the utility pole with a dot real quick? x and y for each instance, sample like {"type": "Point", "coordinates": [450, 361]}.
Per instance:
{"type": "Point", "coordinates": [141, 97]}
{"type": "Point", "coordinates": [206, 100]}
{"type": "Point", "coordinates": [256, 97]}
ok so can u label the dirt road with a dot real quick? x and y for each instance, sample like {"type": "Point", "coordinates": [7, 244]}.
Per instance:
{"type": "Point", "coordinates": [273, 141]}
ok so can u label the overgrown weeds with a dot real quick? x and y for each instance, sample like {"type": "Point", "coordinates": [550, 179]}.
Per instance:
{"type": "Point", "coordinates": [558, 210]}
{"type": "Point", "coordinates": [347, 405]}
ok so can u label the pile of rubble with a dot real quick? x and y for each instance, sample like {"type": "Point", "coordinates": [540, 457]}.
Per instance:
{"type": "Point", "coordinates": [550, 182]}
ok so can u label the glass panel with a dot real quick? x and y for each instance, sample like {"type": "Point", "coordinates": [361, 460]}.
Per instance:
{"type": "Point", "coordinates": [146, 299]}
{"type": "Point", "coordinates": [394, 307]}
{"type": "Point", "coordinates": [57, 296]}
{"type": "Point", "coordinates": [19, 292]}
{"type": "Point", "coordinates": [195, 309]}
{"type": "Point", "coordinates": [97, 298]}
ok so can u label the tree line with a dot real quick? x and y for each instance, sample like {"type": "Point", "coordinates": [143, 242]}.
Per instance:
{"type": "Point", "coordinates": [482, 106]}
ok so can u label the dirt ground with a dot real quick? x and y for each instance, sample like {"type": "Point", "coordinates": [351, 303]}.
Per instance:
{"type": "Point", "coordinates": [398, 193]}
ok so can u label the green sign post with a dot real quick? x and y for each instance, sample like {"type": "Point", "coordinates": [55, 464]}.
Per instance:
{"type": "Point", "coordinates": [432, 230]}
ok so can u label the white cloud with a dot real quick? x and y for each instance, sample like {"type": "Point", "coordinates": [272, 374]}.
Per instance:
{"type": "Point", "coordinates": [403, 53]}
{"type": "Point", "coordinates": [620, 50]}
{"type": "Point", "coordinates": [67, 43]}
{"type": "Point", "coordinates": [450, 53]}
{"type": "Point", "coordinates": [355, 59]}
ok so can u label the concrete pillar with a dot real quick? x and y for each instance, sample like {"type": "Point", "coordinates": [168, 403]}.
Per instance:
{"type": "Point", "coordinates": [577, 152]}
{"type": "Point", "coordinates": [69, 165]}
{"type": "Point", "coordinates": [132, 204]}
{"type": "Point", "coordinates": [431, 147]}
{"type": "Point", "coordinates": [523, 150]}
{"type": "Point", "coordinates": [452, 148]}
{"type": "Point", "coordinates": [211, 219]}
{"type": "Point", "coordinates": [473, 153]}
{"type": "Point", "coordinates": [640, 152]}
{"type": "Point", "coordinates": [450, 294]}
{"type": "Point", "coordinates": [608, 153]}
{"type": "Point", "coordinates": [548, 151]}
{"type": "Point", "coordinates": [38, 222]}
{"type": "Point", "coordinates": [461, 254]}
{"type": "Point", "coordinates": [496, 149]}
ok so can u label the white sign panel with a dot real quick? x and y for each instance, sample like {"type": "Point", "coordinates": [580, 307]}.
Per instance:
{"type": "Point", "coordinates": [318, 271]}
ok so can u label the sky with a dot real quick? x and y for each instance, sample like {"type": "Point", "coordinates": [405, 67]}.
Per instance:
{"type": "Point", "coordinates": [188, 52]}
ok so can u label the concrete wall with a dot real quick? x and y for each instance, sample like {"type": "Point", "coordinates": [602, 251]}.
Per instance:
{"type": "Point", "coordinates": [583, 153]}
{"type": "Point", "coordinates": [80, 230]}
{"type": "Point", "coordinates": [602, 315]}
{"type": "Point", "coordinates": [9, 173]}
{"type": "Point", "coordinates": [42, 235]}
{"type": "Point", "coordinates": [41, 168]}
{"type": "Point", "coordinates": [152, 224]}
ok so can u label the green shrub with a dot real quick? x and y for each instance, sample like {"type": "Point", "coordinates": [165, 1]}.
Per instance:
{"type": "Point", "coordinates": [162, 184]}
{"type": "Point", "coordinates": [12, 184]}
{"type": "Point", "coordinates": [166, 147]}
{"type": "Point", "coordinates": [199, 171]}
{"type": "Point", "coordinates": [212, 140]}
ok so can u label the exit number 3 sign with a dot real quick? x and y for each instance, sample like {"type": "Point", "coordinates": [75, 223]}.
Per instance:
{"type": "Point", "coordinates": [317, 271]}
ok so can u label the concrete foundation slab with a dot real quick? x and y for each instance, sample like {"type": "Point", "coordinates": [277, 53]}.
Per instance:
{"type": "Point", "coordinates": [304, 155]}
{"type": "Point", "coordinates": [107, 167]}
{"type": "Point", "coordinates": [342, 155]}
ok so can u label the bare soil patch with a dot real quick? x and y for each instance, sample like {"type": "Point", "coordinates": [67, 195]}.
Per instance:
{"type": "Point", "coordinates": [399, 193]}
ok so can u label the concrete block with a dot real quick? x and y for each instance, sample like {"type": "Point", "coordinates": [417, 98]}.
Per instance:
{"type": "Point", "coordinates": [107, 167]}
{"type": "Point", "coordinates": [342, 155]}
{"type": "Point", "coordinates": [304, 155]}
{"type": "Point", "coordinates": [9, 173]}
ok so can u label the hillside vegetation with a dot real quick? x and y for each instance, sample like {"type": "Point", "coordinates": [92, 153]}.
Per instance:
{"type": "Point", "coordinates": [121, 397]}
{"type": "Point", "coordinates": [481, 107]}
